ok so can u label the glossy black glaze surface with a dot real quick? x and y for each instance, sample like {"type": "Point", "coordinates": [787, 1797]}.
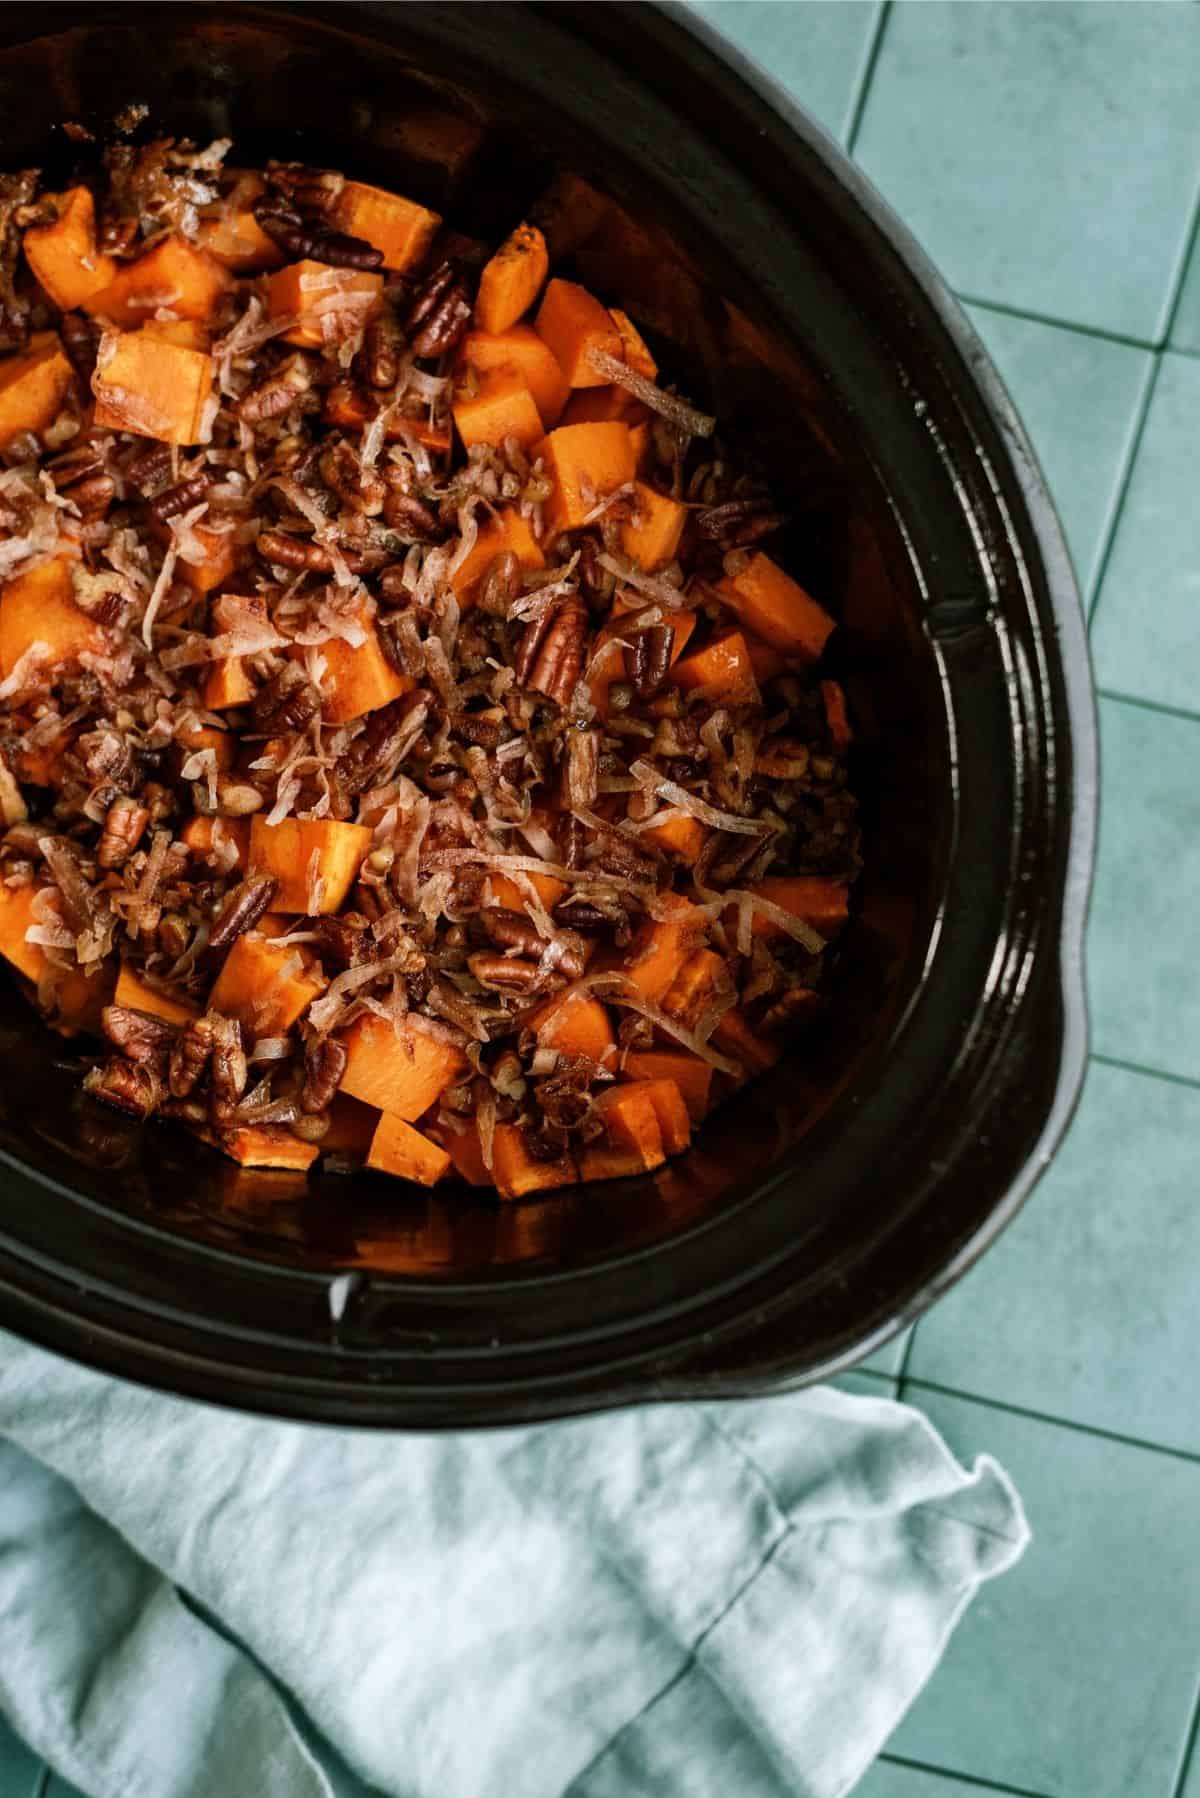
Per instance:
{"type": "Point", "coordinates": [833, 1200]}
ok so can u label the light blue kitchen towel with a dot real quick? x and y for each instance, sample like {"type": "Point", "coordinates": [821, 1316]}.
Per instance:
{"type": "Point", "coordinates": [703, 1601]}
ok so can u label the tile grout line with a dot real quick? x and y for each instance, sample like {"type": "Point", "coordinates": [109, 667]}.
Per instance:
{"type": "Point", "coordinates": [1138, 1067]}
{"type": "Point", "coordinates": [862, 87]}
{"type": "Point", "coordinates": [1189, 1751]}
{"type": "Point", "coordinates": [1059, 324]}
{"type": "Point", "coordinates": [1192, 1457]}
{"type": "Point", "coordinates": [971, 1779]}
{"type": "Point", "coordinates": [42, 1784]}
{"type": "Point", "coordinates": [1149, 705]}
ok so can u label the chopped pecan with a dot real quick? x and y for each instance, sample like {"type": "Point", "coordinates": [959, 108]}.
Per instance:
{"type": "Point", "coordinates": [80, 473]}
{"type": "Point", "coordinates": [410, 517]}
{"type": "Point", "coordinates": [340, 942]}
{"type": "Point", "coordinates": [148, 471]}
{"type": "Point", "coordinates": [190, 1056]}
{"type": "Point", "coordinates": [582, 769]}
{"type": "Point", "coordinates": [279, 391]}
{"type": "Point", "coordinates": [440, 312]}
{"type": "Point", "coordinates": [512, 930]}
{"type": "Point", "coordinates": [124, 826]}
{"type": "Point", "coordinates": [134, 1087]}
{"type": "Point", "coordinates": [302, 552]}
{"type": "Point", "coordinates": [228, 1066]}
{"type": "Point", "coordinates": [174, 500]}
{"type": "Point", "coordinates": [500, 585]}
{"type": "Point", "coordinates": [402, 645]}
{"type": "Point", "coordinates": [479, 728]}
{"type": "Point", "coordinates": [310, 190]}
{"type": "Point", "coordinates": [739, 522]}
{"type": "Point", "coordinates": [382, 740]}
{"type": "Point", "coordinates": [359, 488]}
{"type": "Point", "coordinates": [287, 703]}
{"type": "Point", "coordinates": [137, 1034]}
{"type": "Point", "coordinates": [324, 1064]}
{"type": "Point", "coordinates": [503, 973]}
{"type": "Point", "coordinates": [80, 339]}
{"type": "Point", "coordinates": [243, 908]}
{"type": "Point", "coordinates": [383, 346]}
{"type": "Point", "coordinates": [789, 1008]}
{"type": "Point", "coordinates": [782, 758]}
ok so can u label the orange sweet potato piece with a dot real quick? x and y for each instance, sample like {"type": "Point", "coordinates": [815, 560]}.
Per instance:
{"type": "Point", "coordinates": [328, 304]}
{"type": "Point", "coordinates": [264, 1145]}
{"type": "Point", "coordinates": [722, 667]}
{"type": "Point", "coordinates": [234, 238]}
{"type": "Point", "coordinates": [775, 607]}
{"type": "Point", "coordinates": [173, 277]}
{"type": "Point", "coordinates": [522, 349]}
{"type": "Point", "coordinates": [631, 1123]}
{"type": "Point", "coordinates": [152, 388]}
{"type": "Point", "coordinates": [813, 898]}
{"type": "Point", "coordinates": [836, 717]}
{"type": "Point", "coordinates": [633, 345]}
{"type": "Point", "coordinates": [662, 946]}
{"type": "Point", "coordinates": [132, 990]}
{"type": "Point", "coordinates": [651, 536]}
{"type": "Point", "coordinates": [299, 852]}
{"type": "Point", "coordinates": [64, 256]}
{"type": "Point", "coordinates": [504, 892]}
{"type": "Point", "coordinates": [695, 984]}
{"type": "Point", "coordinates": [223, 743]}
{"type": "Point", "coordinates": [33, 386]}
{"type": "Point", "coordinates": [398, 1149]}
{"type": "Point", "coordinates": [507, 530]}
{"type": "Point", "coordinates": [41, 765]}
{"type": "Point", "coordinates": [734, 1036]}
{"type": "Point", "coordinates": [682, 836]}
{"type": "Point", "coordinates": [576, 1025]}
{"type": "Point", "coordinates": [596, 405]}
{"type": "Point", "coordinates": [255, 987]}
{"type": "Point", "coordinates": [76, 999]}
{"type": "Point", "coordinates": [765, 659]}
{"type": "Point", "coordinates": [515, 1170]}
{"type": "Point", "coordinates": [687, 1073]}
{"type": "Point", "coordinates": [573, 322]}
{"type": "Point", "coordinates": [512, 280]}
{"type": "Point", "coordinates": [227, 684]}
{"type": "Point", "coordinates": [466, 1152]}
{"type": "Point", "coordinates": [218, 562]}
{"type": "Point", "coordinates": [345, 406]}
{"type": "Point", "coordinates": [38, 607]}
{"type": "Point", "coordinates": [674, 1120]}
{"type": "Point", "coordinates": [585, 464]}
{"type": "Point", "coordinates": [388, 222]}
{"type": "Point", "coordinates": [16, 916]}
{"type": "Point", "coordinates": [188, 333]}
{"type": "Point", "coordinates": [502, 407]}
{"type": "Point", "coordinates": [207, 838]}
{"type": "Point", "coordinates": [403, 1074]}
{"type": "Point", "coordinates": [356, 680]}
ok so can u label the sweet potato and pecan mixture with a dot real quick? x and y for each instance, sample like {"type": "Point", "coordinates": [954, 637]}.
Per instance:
{"type": "Point", "coordinates": [410, 751]}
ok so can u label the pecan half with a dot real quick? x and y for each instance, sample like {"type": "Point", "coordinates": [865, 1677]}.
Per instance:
{"type": "Point", "coordinates": [384, 739]}
{"type": "Point", "coordinates": [133, 1087]}
{"type": "Point", "coordinates": [81, 475]}
{"type": "Point", "coordinates": [556, 662]}
{"type": "Point", "coordinates": [242, 909]}
{"type": "Point", "coordinates": [324, 1064]}
{"type": "Point", "coordinates": [288, 702]}
{"type": "Point", "coordinates": [124, 826]}
{"type": "Point", "coordinates": [440, 312]}
{"type": "Point", "coordinates": [279, 391]}
{"type": "Point", "coordinates": [512, 930]}
{"type": "Point", "coordinates": [383, 346]}
{"type": "Point", "coordinates": [503, 973]}
{"type": "Point", "coordinates": [310, 190]}
{"type": "Point", "coordinates": [80, 339]}
{"type": "Point", "coordinates": [651, 659]}
{"type": "Point", "coordinates": [410, 518]}
{"type": "Point", "coordinates": [228, 1066]}
{"type": "Point", "coordinates": [174, 500]}
{"type": "Point", "coordinates": [500, 585]}
{"type": "Point", "coordinates": [148, 471]}
{"type": "Point", "coordinates": [190, 1056]}
{"type": "Point", "coordinates": [302, 552]}
{"type": "Point", "coordinates": [137, 1034]}
{"type": "Point", "coordinates": [359, 488]}
{"type": "Point", "coordinates": [581, 773]}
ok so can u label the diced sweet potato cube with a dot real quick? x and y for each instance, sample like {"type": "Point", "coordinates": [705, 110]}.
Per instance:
{"type": "Point", "coordinates": [314, 860]}
{"type": "Point", "coordinates": [681, 836]}
{"type": "Point", "coordinates": [674, 1122]}
{"type": "Point", "coordinates": [264, 985]}
{"type": "Point", "coordinates": [357, 679]}
{"type": "Point", "coordinates": [733, 1036]}
{"type": "Point", "coordinates": [836, 717]}
{"type": "Point", "coordinates": [765, 659]}
{"type": "Point", "coordinates": [76, 1000]}
{"type": "Point", "coordinates": [633, 344]}
{"type": "Point", "coordinates": [691, 1076]}
{"type": "Point", "coordinates": [775, 607]}
{"type": "Point", "coordinates": [694, 987]}
{"type": "Point", "coordinates": [33, 386]}
{"type": "Point", "coordinates": [351, 1127]}
{"type": "Point", "coordinates": [575, 1025]}
{"type": "Point", "coordinates": [722, 667]}
{"type": "Point", "coordinates": [234, 238]}
{"type": "Point", "coordinates": [651, 536]}
{"type": "Point", "coordinates": [265, 1145]}
{"type": "Point", "coordinates": [223, 743]}
{"type": "Point", "coordinates": [217, 564]}
{"type": "Point", "coordinates": [328, 304]}
{"type": "Point", "coordinates": [603, 1160]}
{"type": "Point", "coordinates": [507, 530]}
{"type": "Point", "coordinates": [586, 463]}
{"type": "Point", "coordinates": [398, 1149]}
{"type": "Point", "coordinates": [512, 280]}
{"type": "Point", "coordinates": [813, 898]}
{"type": "Point", "coordinates": [503, 407]}
{"type": "Point", "coordinates": [505, 893]}
{"type": "Point", "coordinates": [213, 840]}
{"type": "Point", "coordinates": [516, 1172]}
{"type": "Point", "coordinates": [38, 607]}
{"type": "Point", "coordinates": [227, 684]}
{"type": "Point", "coordinates": [662, 946]}
{"type": "Point", "coordinates": [187, 333]}
{"type": "Point", "coordinates": [574, 323]}
{"type": "Point", "coordinates": [152, 388]}
{"type": "Point", "coordinates": [598, 405]}
{"type": "Point", "coordinates": [522, 349]}
{"type": "Point", "coordinates": [388, 222]}
{"type": "Point", "coordinates": [631, 1123]}
{"type": "Point", "coordinates": [466, 1153]}
{"type": "Point", "coordinates": [16, 916]}
{"type": "Point", "coordinates": [403, 1074]}
{"type": "Point", "coordinates": [173, 277]}
{"type": "Point", "coordinates": [132, 990]}
{"type": "Point", "coordinates": [64, 256]}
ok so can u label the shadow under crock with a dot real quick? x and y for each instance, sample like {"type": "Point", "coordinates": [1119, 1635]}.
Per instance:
{"type": "Point", "coordinates": [836, 1196]}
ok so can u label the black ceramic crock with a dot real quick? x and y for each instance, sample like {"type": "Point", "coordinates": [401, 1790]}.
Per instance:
{"type": "Point", "coordinates": [831, 1202]}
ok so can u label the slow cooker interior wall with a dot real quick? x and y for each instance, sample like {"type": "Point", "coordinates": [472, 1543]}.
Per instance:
{"type": "Point", "coordinates": [228, 77]}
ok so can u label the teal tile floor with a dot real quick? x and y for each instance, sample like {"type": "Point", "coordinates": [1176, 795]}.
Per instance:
{"type": "Point", "coordinates": [1048, 155]}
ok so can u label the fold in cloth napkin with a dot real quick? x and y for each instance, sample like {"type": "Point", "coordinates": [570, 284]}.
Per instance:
{"type": "Point", "coordinates": [692, 1601]}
